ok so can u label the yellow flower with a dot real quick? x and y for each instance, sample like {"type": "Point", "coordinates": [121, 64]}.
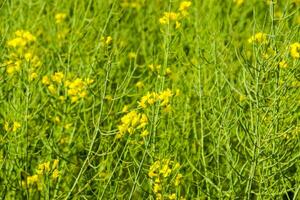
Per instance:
{"type": "Point", "coordinates": [46, 80]}
{"type": "Point", "coordinates": [242, 98]}
{"type": "Point", "coordinates": [13, 66]}
{"type": "Point", "coordinates": [32, 179]}
{"type": "Point", "coordinates": [178, 179]}
{"type": "Point", "coordinates": [43, 168]}
{"type": "Point", "coordinates": [125, 108]}
{"type": "Point", "coordinates": [168, 16]}
{"type": "Point", "coordinates": [165, 170]}
{"type": "Point", "coordinates": [164, 96]}
{"type": "Point", "coordinates": [295, 50]}
{"type": "Point", "coordinates": [22, 39]}
{"type": "Point", "coordinates": [57, 77]}
{"type": "Point", "coordinates": [145, 133]}
{"type": "Point", "coordinates": [74, 99]}
{"type": "Point", "coordinates": [55, 174]}
{"type": "Point", "coordinates": [107, 40]}
{"type": "Point", "coordinates": [154, 67]}
{"type": "Point", "coordinates": [68, 126]}
{"type": "Point", "coordinates": [55, 164]}
{"type": "Point", "coordinates": [16, 126]}
{"type": "Point", "coordinates": [184, 5]}
{"type": "Point", "coordinates": [158, 196]}
{"type": "Point", "coordinates": [6, 126]}
{"type": "Point", "coordinates": [60, 17]}
{"type": "Point", "coordinates": [260, 38]}
{"type": "Point", "coordinates": [156, 188]}
{"type": "Point", "coordinates": [33, 76]}
{"type": "Point", "coordinates": [238, 2]}
{"type": "Point", "coordinates": [172, 196]}
{"type": "Point", "coordinates": [283, 64]}
{"type": "Point", "coordinates": [139, 84]}
{"type": "Point", "coordinates": [52, 89]}
{"type": "Point", "coordinates": [16, 42]}
{"type": "Point", "coordinates": [153, 168]}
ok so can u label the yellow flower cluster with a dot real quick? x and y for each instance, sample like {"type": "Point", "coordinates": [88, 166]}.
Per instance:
{"type": "Point", "coordinates": [283, 64]}
{"type": "Point", "coordinates": [131, 122]}
{"type": "Point", "coordinates": [75, 89]}
{"type": "Point", "coordinates": [106, 40]}
{"type": "Point", "coordinates": [22, 52]}
{"type": "Point", "coordinates": [162, 171]}
{"type": "Point", "coordinates": [238, 2]}
{"type": "Point", "coordinates": [154, 67]}
{"type": "Point", "coordinates": [60, 17]}
{"type": "Point", "coordinates": [11, 127]}
{"type": "Point", "coordinates": [131, 4]}
{"type": "Point", "coordinates": [259, 38]}
{"type": "Point", "coordinates": [22, 39]}
{"type": "Point", "coordinates": [169, 17]}
{"type": "Point", "coordinates": [43, 169]}
{"type": "Point", "coordinates": [151, 98]}
{"type": "Point", "coordinates": [295, 50]}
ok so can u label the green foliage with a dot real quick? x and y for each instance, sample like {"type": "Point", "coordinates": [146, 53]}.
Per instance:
{"type": "Point", "coordinates": [149, 99]}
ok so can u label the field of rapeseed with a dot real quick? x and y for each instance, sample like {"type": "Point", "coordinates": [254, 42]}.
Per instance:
{"type": "Point", "coordinates": [149, 99]}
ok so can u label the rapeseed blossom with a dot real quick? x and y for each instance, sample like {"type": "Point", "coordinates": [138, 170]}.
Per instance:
{"type": "Point", "coordinates": [22, 39]}
{"type": "Point", "coordinates": [162, 172]}
{"type": "Point", "coordinates": [131, 122]}
{"type": "Point", "coordinates": [259, 38]}
{"type": "Point", "coordinates": [295, 50]}
{"type": "Point", "coordinates": [238, 2]}
{"type": "Point", "coordinates": [60, 17]}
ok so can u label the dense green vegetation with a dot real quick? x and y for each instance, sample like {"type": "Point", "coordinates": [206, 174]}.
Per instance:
{"type": "Point", "coordinates": [149, 99]}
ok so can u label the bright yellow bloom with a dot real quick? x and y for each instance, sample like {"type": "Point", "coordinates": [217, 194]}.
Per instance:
{"type": "Point", "coordinates": [6, 126]}
{"type": "Point", "coordinates": [55, 174]}
{"type": "Point", "coordinates": [107, 40]}
{"type": "Point", "coordinates": [43, 168]}
{"type": "Point", "coordinates": [238, 2]}
{"type": "Point", "coordinates": [46, 80]}
{"type": "Point", "coordinates": [154, 67]}
{"type": "Point", "coordinates": [22, 39]}
{"type": "Point", "coordinates": [172, 196]}
{"type": "Point", "coordinates": [139, 84]}
{"type": "Point", "coordinates": [16, 126]}
{"type": "Point", "coordinates": [295, 50]}
{"type": "Point", "coordinates": [13, 66]}
{"type": "Point", "coordinates": [178, 179]}
{"type": "Point", "coordinates": [165, 170]}
{"type": "Point", "coordinates": [168, 16]}
{"type": "Point", "coordinates": [33, 76]}
{"type": "Point", "coordinates": [153, 169]}
{"type": "Point", "coordinates": [60, 17]}
{"type": "Point", "coordinates": [156, 188]}
{"type": "Point", "coordinates": [283, 64]}
{"type": "Point", "coordinates": [32, 179]}
{"type": "Point", "coordinates": [57, 77]}
{"type": "Point", "coordinates": [125, 108]}
{"type": "Point", "coordinates": [131, 122]}
{"type": "Point", "coordinates": [55, 164]}
{"type": "Point", "coordinates": [145, 133]}
{"type": "Point", "coordinates": [184, 5]}
{"type": "Point", "coordinates": [260, 38]}
{"type": "Point", "coordinates": [52, 89]}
